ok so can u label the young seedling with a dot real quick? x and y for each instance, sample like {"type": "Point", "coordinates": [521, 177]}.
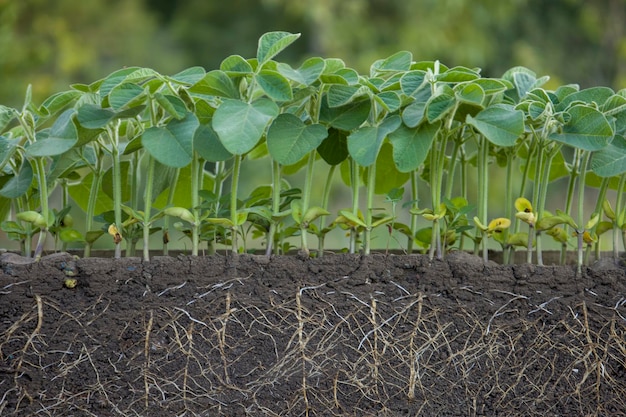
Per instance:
{"type": "Point", "coordinates": [495, 226]}
{"type": "Point", "coordinates": [525, 213]}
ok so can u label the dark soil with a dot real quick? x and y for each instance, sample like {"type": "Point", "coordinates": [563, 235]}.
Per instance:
{"type": "Point", "coordinates": [339, 335]}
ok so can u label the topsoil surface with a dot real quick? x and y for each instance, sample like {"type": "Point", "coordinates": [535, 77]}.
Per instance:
{"type": "Point", "coordinates": [342, 335]}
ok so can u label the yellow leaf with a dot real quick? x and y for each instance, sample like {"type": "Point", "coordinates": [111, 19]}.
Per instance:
{"type": "Point", "coordinates": [499, 224]}
{"type": "Point", "coordinates": [523, 205]}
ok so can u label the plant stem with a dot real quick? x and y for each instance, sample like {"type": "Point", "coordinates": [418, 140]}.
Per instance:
{"type": "Point", "coordinates": [233, 203]}
{"type": "Point", "coordinates": [581, 207]}
{"type": "Point", "coordinates": [166, 220]}
{"type": "Point", "coordinates": [618, 210]}
{"type": "Point", "coordinates": [508, 202]}
{"type": "Point", "coordinates": [93, 198]}
{"type": "Point", "coordinates": [354, 182]}
{"type": "Point", "coordinates": [371, 183]}
{"type": "Point", "coordinates": [196, 179]}
{"type": "Point", "coordinates": [483, 183]}
{"type": "Point", "coordinates": [40, 167]}
{"type": "Point", "coordinates": [325, 199]}
{"type": "Point", "coordinates": [306, 197]}
{"type": "Point", "coordinates": [414, 205]}
{"type": "Point", "coordinates": [148, 208]}
{"type": "Point", "coordinates": [117, 183]}
{"type": "Point", "coordinates": [598, 210]}
{"type": "Point", "coordinates": [276, 185]}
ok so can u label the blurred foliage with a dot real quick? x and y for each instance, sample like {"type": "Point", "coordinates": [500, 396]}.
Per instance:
{"type": "Point", "coordinates": [51, 44]}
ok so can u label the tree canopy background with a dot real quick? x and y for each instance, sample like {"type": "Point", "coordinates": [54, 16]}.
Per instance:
{"type": "Point", "coordinates": [52, 44]}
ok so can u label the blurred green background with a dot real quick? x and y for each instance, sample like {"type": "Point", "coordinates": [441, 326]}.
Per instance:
{"type": "Point", "coordinates": [51, 44]}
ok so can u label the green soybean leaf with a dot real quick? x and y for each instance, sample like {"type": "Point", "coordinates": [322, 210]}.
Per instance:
{"type": "Point", "coordinates": [208, 145]}
{"type": "Point", "coordinates": [7, 114]}
{"type": "Point", "coordinates": [236, 65]}
{"type": "Point", "coordinates": [274, 85]}
{"type": "Point", "coordinates": [610, 160]}
{"type": "Point", "coordinates": [501, 124]}
{"type": "Point", "coordinates": [413, 114]}
{"type": "Point", "coordinates": [188, 76]}
{"type": "Point", "coordinates": [597, 95]}
{"type": "Point", "coordinates": [587, 129]}
{"type": "Point", "coordinates": [314, 213]}
{"type": "Point", "coordinates": [307, 74]}
{"type": "Point", "coordinates": [389, 100]}
{"type": "Point", "coordinates": [400, 61]}
{"type": "Point", "coordinates": [412, 81]}
{"type": "Point", "coordinates": [347, 117]}
{"type": "Point", "coordinates": [58, 101]}
{"type": "Point", "coordinates": [216, 83]}
{"type": "Point", "coordinates": [69, 235]}
{"type": "Point", "coordinates": [458, 74]}
{"type": "Point", "coordinates": [364, 144]}
{"type": "Point", "coordinates": [471, 93]}
{"type": "Point", "coordinates": [388, 177]}
{"type": "Point", "coordinates": [492, 85]}
{"type": "Point", "coordinates": [334, 149]}
{"type": "Point", "coordinates": [18, 185]}
{"type": "Point", "coordinates": [568, 219]}
{"type": "Point", "coordinates": [411, 145]}
{"type": "Point", "coordinates": [172, 104]}
{"type": "Point", "coordinates": [272, 43]}
{"type": "Point", "coordinates": [241, 125]}
{"type": "Point", "coordinates": [131, 74]}
{"type": "Point", "coordinates": [352, 218]}
{"type": "Point", "coordinates": [439, 106]}
{"type": "Point", "coordinates": [61, 138]}
{"type": "Point", "coordinates": [172, 145]}
{"type": "Point", "coordinates": [523, 81]}
{"type": "Point", "coordinates": [289, 139]}
{"type": "Point", "coordinates": [92, 116]}
{"type": "Point", "coordinates": [125, 95]}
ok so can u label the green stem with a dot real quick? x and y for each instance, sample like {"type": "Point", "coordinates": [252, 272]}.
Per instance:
{"type": "Point", "coordinates": [148, 208]}
{"type": "Point", "coordinates": [40, 167]}
{"type": "Point", "coordinates": [166, 221]}
{"type": "Point", "coordinates": [196, 179]}
{"type": "Point", "coordinates": [618, 210]}
{"type": "Point", "coordinates": [581, 208]}
{"type": "Point", "coordinates": [414, 205]}
{"type": "Point", "coordinates": [325, 200]}
{"type": "Point", "coordinates": [371, 183]}
{"type": "Point", "coordinates": [483, 183]}
{"type": "Point", "coordinates": [354, 182]}
{"type": "Point", "coordinates": [93, 199]}
{"type": "Point", "coordinates": [436, 176]}
{"type": "Point", "coordinates": [508, 202]}
{"type": "Point", "coordinates": [117, 185]}
{"type": "Point", "coordinates": [233, 203]}
{"type": "Point", "coordinates": [598, 210]}
{"type": "Point", "coordinates": [306, 197]}
{"type": "Point", "coordinates": [276, 185]}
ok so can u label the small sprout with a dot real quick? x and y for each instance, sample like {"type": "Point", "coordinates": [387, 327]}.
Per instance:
{"type": "Point", "coordinates": [70, 283]}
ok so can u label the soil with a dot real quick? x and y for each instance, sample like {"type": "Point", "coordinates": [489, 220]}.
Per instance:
{"type": "Point", "coordinates": [342, 335]}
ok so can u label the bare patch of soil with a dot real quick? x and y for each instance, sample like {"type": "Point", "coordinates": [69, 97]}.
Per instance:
{"type": "Point", "coordinates": [339, 335]}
